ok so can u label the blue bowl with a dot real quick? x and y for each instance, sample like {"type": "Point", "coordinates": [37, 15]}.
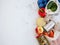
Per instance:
{"type": "Point", "coordinates": [42, 3]}
{"type": "Point", "coordinates": [45, 3]}
{"type": "Point", "coordinates": [59, 1]}
{"type": "Point", "coordinates": [46, 0]}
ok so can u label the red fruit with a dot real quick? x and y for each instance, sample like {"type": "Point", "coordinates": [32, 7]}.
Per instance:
{"type": "Point", "coordinates": [39, 35]}
{"type": "Point", "coordinates": [39, 30]}
{"type": "Point", "coordinates": [45, 33]}
{"type": "Point", "coordinates": [42, 12]}
{"type": "Point", "coordinates": [51, 34]}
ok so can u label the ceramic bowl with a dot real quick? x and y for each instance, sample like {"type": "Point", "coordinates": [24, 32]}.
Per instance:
{"type": "Point", "coordinates": [48, 11]}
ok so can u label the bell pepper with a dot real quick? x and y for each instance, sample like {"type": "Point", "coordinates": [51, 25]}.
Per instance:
{"type": "Point", "coordinates": [42, 12]}
{"type": "Point", "coordinates": [39, 30]}
{"type": "Point", "coordinates": [51, 34]}
{"type": "Point", "coordinates": [45, 33]}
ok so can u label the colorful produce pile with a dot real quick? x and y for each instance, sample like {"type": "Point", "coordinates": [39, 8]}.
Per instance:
{"type": "Point", "coordinates": [45, 28]}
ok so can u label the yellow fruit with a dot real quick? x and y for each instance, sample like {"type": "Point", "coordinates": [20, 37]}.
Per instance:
{"type": "Point", "coordinates": [40, 22]}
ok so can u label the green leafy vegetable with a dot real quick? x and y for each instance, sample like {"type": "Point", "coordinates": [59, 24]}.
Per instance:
{"type": "Point", "coordinates": [52, 6]}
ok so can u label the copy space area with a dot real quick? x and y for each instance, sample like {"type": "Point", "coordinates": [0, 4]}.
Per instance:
{"type": "Point", "coordinates": [17, 22]}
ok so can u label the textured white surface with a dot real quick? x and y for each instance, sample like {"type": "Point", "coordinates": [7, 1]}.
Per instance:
{"type": "Point", "coordinates": [17, 22]}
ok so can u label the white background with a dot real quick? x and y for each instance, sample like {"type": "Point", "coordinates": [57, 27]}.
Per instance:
{"type": "Point", "coordinates": [17, 22]}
